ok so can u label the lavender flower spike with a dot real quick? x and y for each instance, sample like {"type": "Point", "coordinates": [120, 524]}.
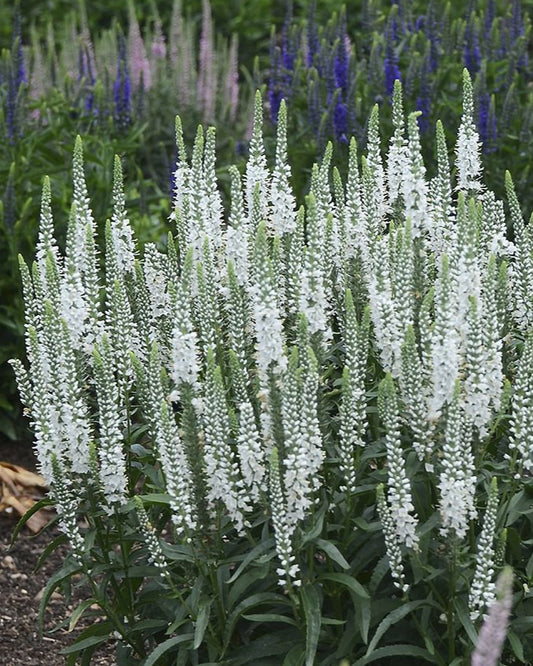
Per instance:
{"type": "Point", "coordinates": [138, 60]}
{"type": "Point", "coordinates": [206, 86]}
{"type": "Point", "coordinates": [492, 634]}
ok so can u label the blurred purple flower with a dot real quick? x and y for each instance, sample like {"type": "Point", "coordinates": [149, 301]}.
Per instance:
{"type": "Point", "coordinates": [86, 76]}
{"type": "Point", "coordinates": [16, 77]}
{"type": "Point", "coordinates": [138, 60]}
{"type": "Point", "coordinates": [433, 33]}
{"type": "Point", "coordinates": [242, 148]}
{"type": "Point", "coordinates": [313, 46]}
{"type": "Point", "coordinates": [483, 117]}
{"type": "Point", "coordinates": [121, 88]}
{"type": "Point", "coordinates": [471, 51]}
{"type": "Point", "coordinates": [274, 81]}
{"type": "Point", "coordinates": [390, 63]}
{"type": "Point", "coordinates": [159, 46]}
{"type": "Point", "coordinates": [490, 12]}
{"type": "Point", "coordinates": [487, 128]}
{"type": "Point", "coordinates": [313, 100]}
{"type": "Point", "coordinates": [517, 22]}
{"type": "Point", "coordinates": [341, 61]}
{"type": "Point", "coordinates": [420, 23]}
{"type": "Point", "coordinates": [288, 46]}
{"type": "Point", "coordinates": [17, 52]}
{"type": "Point", "coordinates": [231, 83]}
{"type": "Point", "coordinates": [340, 122]}
{"type": "Point", "coordinates": [274, 100]}
{"type": "Point", "coordinates": [206, 87]}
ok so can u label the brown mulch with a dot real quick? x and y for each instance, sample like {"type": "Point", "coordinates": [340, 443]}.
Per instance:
{"type": "Point", "coordinates": [21, 588]}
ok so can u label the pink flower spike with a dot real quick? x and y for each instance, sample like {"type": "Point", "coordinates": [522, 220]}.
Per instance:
{"type": "Point", "coordinates": [494, 628]}
{"type": "Point", "coordinates": [159, 47]}
{"type": "Point", "coordinates": [139, 65]}
{"type": "Point", "coordinates": [206, 87]}
{"type": "Point", "coordinates": [231, 85]}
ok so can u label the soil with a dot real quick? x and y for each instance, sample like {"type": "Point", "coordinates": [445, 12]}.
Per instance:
{"type": "Point", "coordinates": [21, 588]}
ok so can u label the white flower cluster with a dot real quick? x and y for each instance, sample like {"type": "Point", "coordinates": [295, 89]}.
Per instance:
{"type": "Point", "coordinates": [482, 590]}
{"type": "Point", "coordinates": [522, 415]}
{"type": "Point", "coordinates": [304, 454]}
{"type": "Point", "coordinates": [224, 340]}
{"type": "Point", "coordinates": [400, 503]}
{"type": "Point", "coordinates": [282, 526]}
{"type": "Point", "coordinates": [457, 482]}
{"type": "Point", "coordinates": [392, 543]}
{"type": "Point", "coordinates": [156, 556]}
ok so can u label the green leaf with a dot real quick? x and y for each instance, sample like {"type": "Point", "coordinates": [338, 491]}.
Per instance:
{"type": "Point", "coordinates": [46, 501]}
{"type": "Point", "coordinates": [156, 498]}
{"type": "Point", "coordinates": [333, 621]}
{"type": "Point", "coordinates": [177, 552]}
{"type": "Point", "coordinates": [363, 613]}
{"type": "Point", "coordinates": [164, 647]}
{"type": "Point", "coordinates": [79, 612]}
{"type": "Point", "coordinates": [88, 640]}
{"type": "Point", "coordinates": [464, 618]}
{"type": "Point", "coordinates": [78, 646]}
{"type": "Point", "coordinates": [277, 643]}
{"type": "Point", "coordinates": [430, 523]}
{"type": "Point", "coordinates": [516, 507]}
{"type": "Point", "coordinates": [516, 646]}
{"type": "Point", "coordinates": [380, 570]}
{"type": "Point", "coordinates": [333, 552]}
{"type": "Point", "coordinates": [295, 657]}
{"type": "Point", "coordinates": [529, 567]}
{"type": "Point", "coordinates": [312, 605]}
{"type": "Point", "coordinates": [397, 651]}
{"type": "Point", "coordinates": [316, 530]}
{"type": "Point", "coordinates": [201, 622]}
{"type": "Point", "coordinates": [254, 600]}
{"type": "Point", "coordinates": [55, 543]}
{"type": "Point", "coordinates": [394, 616]}
{"type": "Point", "coordinates": [249, 579]}
{"type": "Point", "coordinates": [144, 625]}
{"type": "Point", "coordinates": [65, 572]}
{"type": "Point", "coordinates": [270, 617]}
{"type": "Point", "coordinates": [348, 581]}
{"type": "Point", "coordinates": [261, 547]}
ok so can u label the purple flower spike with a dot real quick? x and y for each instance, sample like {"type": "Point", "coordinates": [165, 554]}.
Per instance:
{"type": "Point", "coordinates": [340, 122]}
{"type": "Point", "coordinates": [517, 22]}
{"type": "Point", "coordinates": [341, 62]}
{"type": "Point", "coordinates": [17, 52]}
{"type": "Point", "coordinates": [122, 88]}
{"type": "Point", "coordinates": [274, 82]}
{"type": "Point", "coordinates": [472, 53]}
{"type": "Point", "coordinates": [490, 12]}
{"type": "Point", "coordinates": [390, 63]}
{"type": "Point", "coordinates": [313, 46]}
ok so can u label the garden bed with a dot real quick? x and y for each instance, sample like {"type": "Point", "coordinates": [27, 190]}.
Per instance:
{"type": "Point", "coordinates": [22, 588]}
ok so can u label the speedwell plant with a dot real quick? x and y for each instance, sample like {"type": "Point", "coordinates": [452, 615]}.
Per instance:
{"type": "Point", "coordinates": [301, 435]}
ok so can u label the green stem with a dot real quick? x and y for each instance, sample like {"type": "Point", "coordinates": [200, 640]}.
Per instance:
{"type": "Point", "coordinates": [112, 615]}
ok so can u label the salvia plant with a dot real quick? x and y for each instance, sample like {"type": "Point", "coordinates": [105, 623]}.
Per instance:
{"type": "Point", "coordinates": [292, 435]}
{"type": "Point", "coordinates": [333, 72]}
{"type": "Point", "coordinates": [120, 75]}
{"type": "Point", "coordinates": [123, 90]}
{"type": "Point", "coordinates": [124, 83]}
